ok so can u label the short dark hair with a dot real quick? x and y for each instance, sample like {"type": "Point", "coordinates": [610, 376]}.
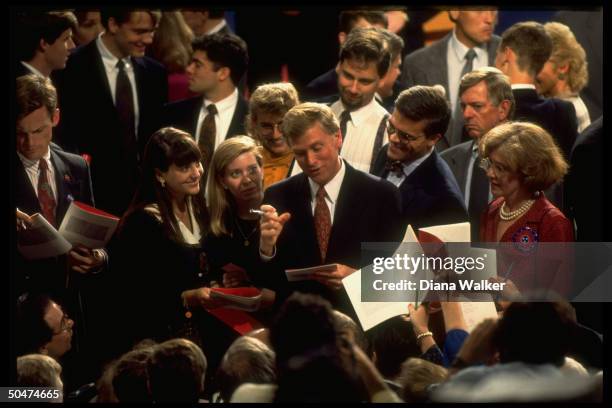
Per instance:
{"type": "Point", "coordinates": [534, 332]}
{"type": "Point", "coordinates": [32, 332]}
{"type": "Point", "coordinates": [393, 341]}
{"type": "Point", "coordinates": [33, 92]}
{"type": "Point", "coordinates": [425, 103]}
{"type": "Point", "coordinates": [34, 26]}
{"type": "Point", "coordinates": [176, 371]}
{"type": "Point", "coordinates": [394, 42]}
{"type": "Point", "coordinates": [225, 50]}
{"type": "Point", "coordinates": [130, 376]}
{"type": "Point", "coordinates": [531, 44]}
{"type": "Point", "coordinates": [348, 18]}
{"type": "Point", "coordinates": [123, 14]}
{"type": "Point", "coordinates": [366, 45]}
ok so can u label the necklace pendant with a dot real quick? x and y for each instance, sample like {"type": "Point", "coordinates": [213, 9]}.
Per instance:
{"type": "Point", "coordinates": [246, 242]}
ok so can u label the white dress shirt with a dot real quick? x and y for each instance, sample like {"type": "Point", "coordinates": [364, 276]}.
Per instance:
{"type": "Point", "coordinates": [225, 112]}
{"type": "Point", "coordinates": [110, 67]}
{"type": "Point", "coordinates": [361, 130]}
{"type": "Point", "coordinates": [407, 168]}
{"type": "Point", "coordinates": [455, 57]}
{"type": "Point", "coordinates": [32, 169]}
{"type": "Point", "coordinates": [332, 190]}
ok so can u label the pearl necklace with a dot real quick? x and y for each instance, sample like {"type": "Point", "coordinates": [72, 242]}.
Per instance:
{"type": "Point", "coordinates": [510, 215]}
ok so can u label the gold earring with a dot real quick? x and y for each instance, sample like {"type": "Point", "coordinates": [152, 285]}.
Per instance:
{"type": "Point", "coordinates": [163, 183]}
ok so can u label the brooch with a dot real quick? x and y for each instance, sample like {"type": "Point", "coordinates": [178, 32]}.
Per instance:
{"type": "Point", "coordinates": [525, 239]}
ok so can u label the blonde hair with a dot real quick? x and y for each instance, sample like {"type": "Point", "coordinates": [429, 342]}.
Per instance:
{"type": "Point", "coordinates": [172, 42]}
{"type": "Point", "coordinates": [276, 98]}
{"type": "Point", "coordinates": [219, 199]}
{"type": "Point", "coordinates": [529, 151]}
{"type": "Point", "coordinates": [38, 370]}
{"type": "Point", "coordinates": [302, 117]}
{"type": "Point", "coordinates": [566, 49]}
{"type": "Point", "coordinates": [418, 374]}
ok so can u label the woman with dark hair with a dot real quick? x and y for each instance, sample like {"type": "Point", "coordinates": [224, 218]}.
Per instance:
{"type": "Point", "coordinates": [158, 239]}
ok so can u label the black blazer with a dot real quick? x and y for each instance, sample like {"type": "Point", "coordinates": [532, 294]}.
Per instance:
{"type": "Point", "coordinates": [367, 210]}
{"type": "Point", "coordinates": [90, 123]}
{"type": "Point", "coordinates": [324, 85]}
{"type": "Point", "coordinates": [430, 195]}
{"type": "Point", "coordinates": [556, 116]}
{"type": "Point", "coordinates": [184, 115]}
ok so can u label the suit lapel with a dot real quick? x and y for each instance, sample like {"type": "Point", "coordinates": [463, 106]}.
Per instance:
{"type": "Point", "coordinates": [25, 197]}
{"type": "Point", "coordinates": [236, 124]}
{"type": "Point", "coordinates": [439, 67]}
{"type": "Point", "coordinates": [306, 230]}
{"type": "Point", "coordinates": [347, 210]}
{"type": "Point", "coordinates": [99, 75]}
{"type": "Point", "coordinates": [62, 178]}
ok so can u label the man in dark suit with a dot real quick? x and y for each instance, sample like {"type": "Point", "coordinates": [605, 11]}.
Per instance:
{"type": "Point", "coordinates": [486, 101]}
{"type": "Point", "coordinates": [326, 84]}
{"type": "Point", "coordinates": [47, 180]}
{"type": "Point", "coordinates": [430, 195]}
{"type": "Point", "coordinates": [206, 21]}
{"type": "Point", "coordinates": [327, 211]}
{"type": "Point", "coordinates": [470, 45]}
{"type": "Point", "coordinates": [524, 49]}
{"type": "Point", "coordinates": [112, 97]}
{"type": "Point", "coordinates": [218, 63]}
{"type": "Point", "coordinates": [44, 41]}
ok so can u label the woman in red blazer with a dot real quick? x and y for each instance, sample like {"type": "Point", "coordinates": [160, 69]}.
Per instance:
{"type": "Point", "coordinates": [521, 160]}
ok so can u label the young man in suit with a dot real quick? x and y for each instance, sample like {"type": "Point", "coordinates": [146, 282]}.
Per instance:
{"type": "Point", "coordinates": [524, 49]}
{"type": "Point", "coordinates": [327, 211]}
{"type": "Point", "coordinates": [47, 180]}
{"type": "Point", "coordinates": [218, 63]}
{"type": "Point", "coordinates": [44, 42]}
{"type": "Point", "coordinates": [112, 97]}
{"type": "Point", "coordinates": [470, 45]}
{"type": "Point", "coordinates": [430, 195]}
{"type": "Point", "coordinates": [486, 101]}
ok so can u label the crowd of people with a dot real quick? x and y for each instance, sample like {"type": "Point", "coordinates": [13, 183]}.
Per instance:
{"type": "Point", "coordinates": [148, 115]}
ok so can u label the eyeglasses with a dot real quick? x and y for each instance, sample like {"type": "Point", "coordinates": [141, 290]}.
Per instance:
{"type": "Point", "coordinates": [251, 172]}
{"type": "Point", "coordinates": [498, 169]}
{"type": "Point", "coordinates": [403, 137]}
{"type": "Point", "coordinates": [64, 324]}
{"type": "Point", "coordinates": [268, 128]}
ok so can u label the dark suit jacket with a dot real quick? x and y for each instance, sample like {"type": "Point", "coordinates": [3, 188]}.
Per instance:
{"type": "Point", "coordinates": [586, 183]}
{"type": "Point", "coordinates": [430, 194]}
{"type": "Point", "coordinates": [90, 122]}
{"type": "Point", "coordinates": [367, 210]}
{"type": "Point", "coordinates": [458, 160]}
{"type": "Point", "coordinates": [184, 115]}
{"type": "Point", "coordinates": [428, 66]}
{"type": "Point", "coordinates": [73, 183]}
{"type": "Point", "coordinates": [324, 85]}
{"type": "Point", "coordinates": [556, 116]}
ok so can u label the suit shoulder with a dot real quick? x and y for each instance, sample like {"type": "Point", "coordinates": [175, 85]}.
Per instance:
{"type": "Point", "coordinates": [426, 51]}
{"type": "Point", "coordinates": [72, 158]}
{"type": "Point", "coordinates": [455, 150]}
{"type": "Point", "coordinates": [151, 64]}
{"type": "Point", "coordinates": [371, 182]}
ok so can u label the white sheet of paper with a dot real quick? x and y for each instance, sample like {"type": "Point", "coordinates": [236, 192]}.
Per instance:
{"type": "Point", "coordinates": [82, 227]}
{"type": "Point", "coordinates": [450, 232]}
{"type": "Point", "coordinates": [41, 240]}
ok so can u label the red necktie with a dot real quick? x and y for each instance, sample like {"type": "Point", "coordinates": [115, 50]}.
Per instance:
{"type": "Point", "coordinates": [322, 219]}
{"type": "Point", "coordinates": [45, 194]}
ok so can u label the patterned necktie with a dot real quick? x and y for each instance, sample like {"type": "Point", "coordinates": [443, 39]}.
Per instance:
{"type": "Point", "coordinates": [344, 118]}
{"type": "Point", "coordinates": [124, 102]}
{"type": "Point", "coordinates": [457, 127]}
{"type": "Point", "coordinates": [45, 194]}
{"type": "Point", "coordinates": [322, 219]}
{"type": "Point", "coordinates": [208, 134]}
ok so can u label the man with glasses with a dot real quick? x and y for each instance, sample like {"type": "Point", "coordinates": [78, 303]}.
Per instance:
{"type": "Point", "coordinates": [267, 107]}
{"type": "Point", "coordinates": [486, 101]}
{"type": "Point", "coordinates": [430, 194]}
{"type": "Point", "coordinates": [111, 96]}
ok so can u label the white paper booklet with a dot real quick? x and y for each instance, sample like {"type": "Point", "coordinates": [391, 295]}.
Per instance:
{"type": "Point", "coordinates": [82, 224]}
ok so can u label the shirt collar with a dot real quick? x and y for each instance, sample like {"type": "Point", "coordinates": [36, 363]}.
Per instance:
{"type": "Point", "coordinates": [332, 188]}
{"type": "Point", "coordinates": [217, 28]}
{"type": "Point", "coordinates": [359, 116]}
{"type": "Point", "coordinates": [410, 167]}
{"type": "Point", "coordinates": [459, 49]}
{"type": "Point", "coordinates": [223, 104]}
{"type": "Point", "coordinates": [34, 163]}
{"type": "Point", "coordinates": [523, 86]}
{"type": "Point", "coordinates": [108, 58]}
{"type": "Point", "coordinates": [32, 69]}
